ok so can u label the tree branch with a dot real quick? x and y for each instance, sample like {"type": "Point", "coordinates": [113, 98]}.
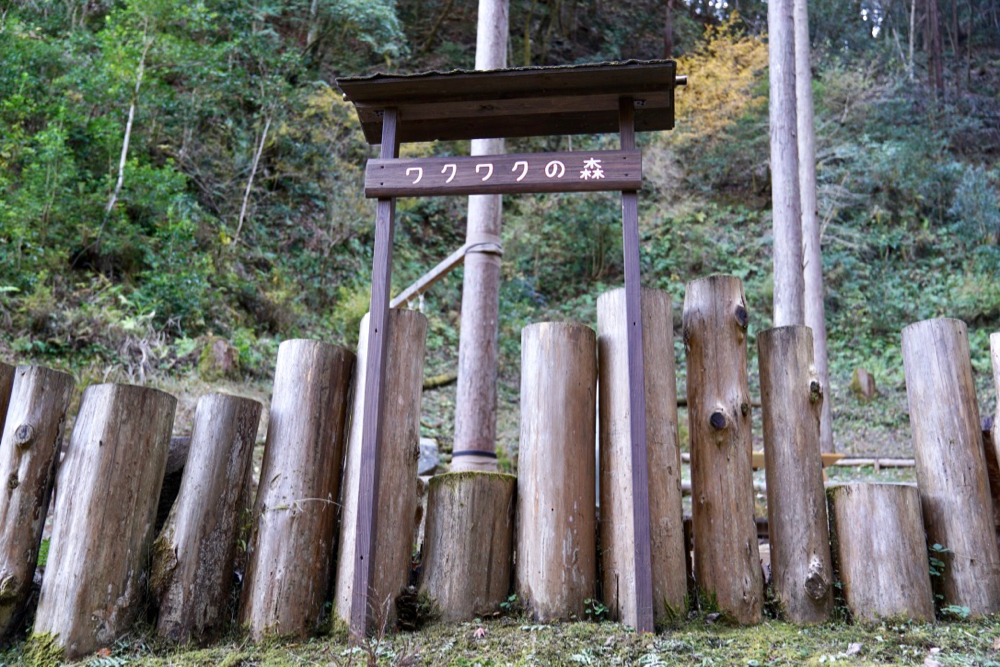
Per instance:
{"type": "Point", "coordinates": [253, 172]}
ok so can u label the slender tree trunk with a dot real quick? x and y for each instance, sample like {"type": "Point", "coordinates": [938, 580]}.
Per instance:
{"type": "Point", "coordinates": [786, 205]}
{"type": "Point", "coordinates": [668, 31]}
{"type": "Point", "coordinates": [253, 172]}
{"type": "Point", "coordinates": [128, 130]}
{"type": "Point", "coordinates": [812, 258]}
{"type": "Point", "coordinates": [913, 32]}
{"type": "Point", "coordinates": [476, 397]}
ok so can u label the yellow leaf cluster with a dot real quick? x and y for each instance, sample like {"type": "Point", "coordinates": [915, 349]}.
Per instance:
{"type": "Point", "coordinates": [723, 77]}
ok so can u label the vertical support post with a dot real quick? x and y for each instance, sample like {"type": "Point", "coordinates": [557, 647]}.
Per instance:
{"type": "Point", "coordinates": [371, 435]}
{"type": "Point", "coordinates": [637, 385]}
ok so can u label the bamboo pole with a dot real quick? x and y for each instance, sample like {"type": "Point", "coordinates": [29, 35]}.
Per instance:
{"type": "Point", "coordinates": [295, 513]}
{"type": "Point", "coordinates": [880, 553]}
{"type": "Point", "coordinates": [109, 483]}
{"type": "Point", "coordinates": [399, 450]}
{"type": "Point", "coordinates": [726, 558]}
{"type": "Point", "coordinates": [29, 450]}
{"type": "Point", "coordinates": [556, 539]}
{"type": "Point", "coordinates": [194, 556]}
{"type": "Point", "coordinates": [663, 458]}
{"type": "Point", "coordinates": [951, 466]}
{"type": "Point", "coordinates": [799, 538]}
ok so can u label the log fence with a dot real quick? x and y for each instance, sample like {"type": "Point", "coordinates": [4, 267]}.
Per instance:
{"type": "Point", "coordinates": [865, 540]}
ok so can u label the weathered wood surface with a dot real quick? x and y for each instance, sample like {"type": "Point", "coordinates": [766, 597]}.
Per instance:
{"type": "Point", "coordinates": [556, 535]}
{"type": "Point", "coordinates": [366, 523]}
{"type": "Point", "coordinates": [469, 543]}
{"type": "Point", "coordinates": [642, 556]}
{"type": "Point", "coordinates": [6, 383]}
{"type": "Point", "coordinates": [429, 279]}
{"type": "Point", "coordinates": [993, 474]}
{"type": "Point", "coordinates": [193, 557]}
{"type": "Point", "coordinates": [579, 171]}
{"type": "Point", "coordinates": [109, 483]}
{"type": "Point", "coordinates": [662, 454]}
{"type": "Point", "coordinates": [993, 447]}
{"type": "Point", "coordinates": [880, 553]}
{"type": "Point", "coordinates": [726, 557]}
{"type": "Point", "coordinates": [399, 450]}
{"type": "Point", "coordinates": [792, 396]}
{"type": "Point", "coordinates": [29, 451]}
{"type": "Point", "coordinates": [295, 514]}
{"type": "Point", "coordinates": [580, 99]}
{"type": "Point", "coordinates": [951, 466]}
{"type": "Point", "coordinates": [812, 257]}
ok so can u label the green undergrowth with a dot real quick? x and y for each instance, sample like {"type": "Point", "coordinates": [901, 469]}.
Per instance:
{"type": "Point", "coordinates": [520, 642]}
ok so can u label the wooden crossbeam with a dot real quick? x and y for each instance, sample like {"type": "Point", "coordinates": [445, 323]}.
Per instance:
{"type": "Point", "coordinates": [426, 281]}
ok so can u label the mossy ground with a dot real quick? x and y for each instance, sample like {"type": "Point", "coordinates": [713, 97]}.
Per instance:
{"type": "Point", "coordinates": [509, 641]}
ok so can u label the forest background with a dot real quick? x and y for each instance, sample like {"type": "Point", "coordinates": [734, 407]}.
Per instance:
{"type": "Point", "coordinates": [182, 177]}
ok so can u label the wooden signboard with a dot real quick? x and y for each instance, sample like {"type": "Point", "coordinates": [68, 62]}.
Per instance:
{"type": "Point", "coordinates": [582, 171]}
{"type": "Point", "coordinates": [532, 101]}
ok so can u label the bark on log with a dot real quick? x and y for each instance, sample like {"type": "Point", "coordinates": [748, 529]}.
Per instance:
{"type": "Point", "coordinates": [172, 477]}
{"type": "Point", "coordinates": [951, 466]}
{"type": "Point", "coordinates": [399, 452]}
{"type": "Point", "coordinates": [6, 383]}
{"type": "Point", "coordinates": [556, 538]}
{"type": "Point", "coordinates": [799, 537]}
{"type": "Point", "coordinates": [109, 483]}
{"type": "Point", "coordinates": [880, 554]}
{"type": "Point", "coordinates": [295, 513]}
{"type": "Point", "coordinates": [992, 446]}
{"type": "Point", "coordinates": [726, 557]}
{"type": "Point", "coordinates": [193, 558]}
{"type": "Point", "coordinates": [663, 457]}
{"type": "Point", "coordinates": [28, 452]}
{"type": "Point", "coordinates": [469, 544]}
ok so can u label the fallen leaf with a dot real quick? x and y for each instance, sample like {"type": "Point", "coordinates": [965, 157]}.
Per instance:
{"type": "Point", "coordinates": [479, 633]}
{"type": "Point", "coordinates": [853, 649]}
{"type": "Point", "coordinates": [104, 653]}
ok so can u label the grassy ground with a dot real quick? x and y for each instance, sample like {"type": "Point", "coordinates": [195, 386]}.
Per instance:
{"type": "Point", "coordinates": [513, 641]}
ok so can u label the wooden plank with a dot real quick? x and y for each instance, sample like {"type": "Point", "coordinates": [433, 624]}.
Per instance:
{"type": "Point", "coordinates": [521, 102]}
{"type": "Point", "coordinates": [371, 435]}
{"type": "Point", "coordinates": [637, 387]}
{"type": "Point", "coordinates": [581, 171]}
{"type": "Point", "coordinates": [426, 281]}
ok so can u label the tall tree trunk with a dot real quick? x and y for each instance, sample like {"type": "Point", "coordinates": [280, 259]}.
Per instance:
{"type": "Point", "coordinates": [668, 31]}
{"type": "Point", "coordinates": [913, 31]}
{"type": "Point", "coordinates": [932, 42]}
{"type": "Point", "coordinates": [476, 399]}
{"type": "Point", "coordinates": [812, 260]}
{"type": "Point", "coordinates": [253, 172]}
{"type": "Point", "coordinates": [786, 206]}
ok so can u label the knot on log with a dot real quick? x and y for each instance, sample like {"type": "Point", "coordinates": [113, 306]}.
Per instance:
{"type": "Point", "coordinates": [744, 408]}
{"type": "Point", "coordinates": [718, 420]}
{"type": "Point", "coordinates": [742, 316]}
{"type": "Point", "coordinates": [24, 435]}
{"type": "Point", "coordinates": [8, 589]}
{"type": "Point", "coordinates": [12, 482]}
{"type": "Point", "coordinates": [815, 391]}
{"type": "Point", "coordinates": [816, 585]}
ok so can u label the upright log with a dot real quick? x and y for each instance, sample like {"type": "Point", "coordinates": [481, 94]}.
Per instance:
{"type": "Point", "coordinates": [662, 455]}
{"type": "Point", "coordinates": [109, 483]}
{"type": "Point", "coordinates": [792, 400]}
{"type": "Point", "coordinates": [398, 451]}
{"type": "Point", "coordinates": [295, 514]}
{"type": "Point", "coordinates": [6, 383]}
{"type": "Point", "coordinates": [995, 426]}
{"type": "Point", "coordinates": [556, 536]}
{"type": "Point", "coordinates": [469, 544]}
{"type": "Point", "coordinates": [28, 453]}
{"type": "Point", "coordinates": [880, 552]}
{"type": "Point", "coordinates": [193, 558]}
{"type": "Point", "coordinates": [726, 557]}
{"type": "Point", "coordinates": [951, 466]}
